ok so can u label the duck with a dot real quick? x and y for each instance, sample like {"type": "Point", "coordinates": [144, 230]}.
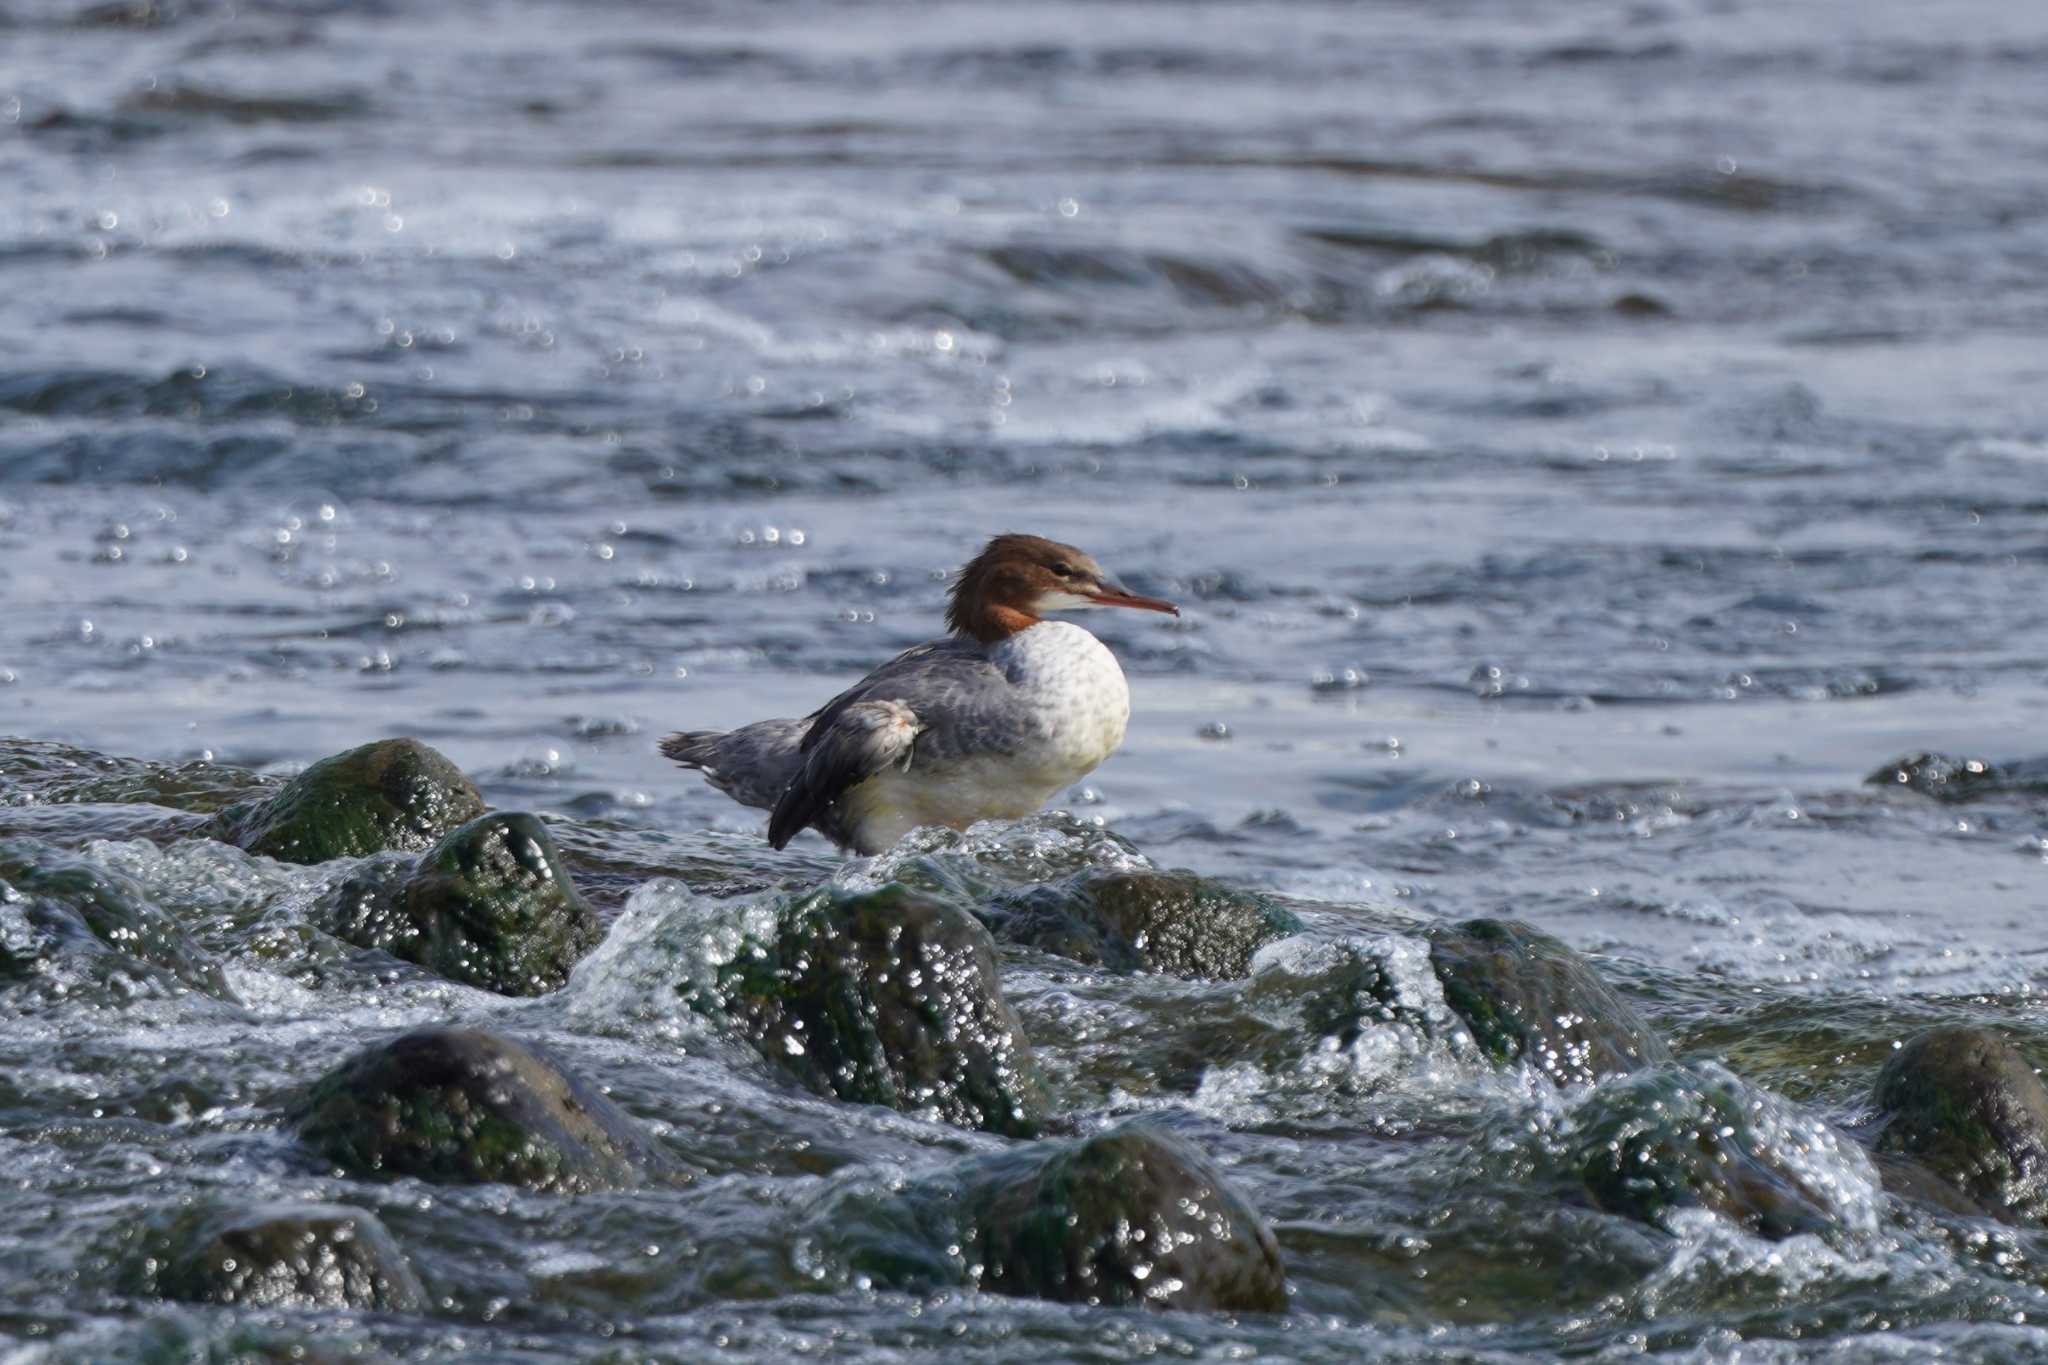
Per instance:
{"type": "Point", "coordinates": [987, 722]}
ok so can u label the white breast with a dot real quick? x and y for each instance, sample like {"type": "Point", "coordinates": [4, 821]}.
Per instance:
{"type": "Point", "coordinates": [1074, 693]}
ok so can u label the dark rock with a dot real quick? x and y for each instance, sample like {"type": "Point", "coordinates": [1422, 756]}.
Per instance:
{"type": "Point", "coordinates": [1908, 1178]}
{"type": "Point", "coordinates": [282, 1256]}
{"type": "Point", "coordinates": [1635, 304]}
{"type": "Point", "coordinates": [888, 997]}
{"type": "Point", "coordinates": [393, 794]}
{"type": "Point", "coordinates": [490, 905]}
{"type": "Point", "coordinates": [1965, 779]}
{"type": "Point", "coordinates": [1674, 1137]}
{"type": "Point", "coordinates": [82, 930]}
{"type": "Point", "coordinates": [1527, 997]}
{"type": "Point", "coordinates": [1130, 1216]}
{"type": "Point", "coordinates": [465, 1106]}
{"type": "Point", "coordinates": [1176, 923]}
{"type": "Point", "coordinates": [1969, 1107]}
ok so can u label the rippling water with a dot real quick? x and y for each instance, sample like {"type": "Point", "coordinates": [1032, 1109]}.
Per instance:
{"type": "Point", "coordinates": [1588, 440]}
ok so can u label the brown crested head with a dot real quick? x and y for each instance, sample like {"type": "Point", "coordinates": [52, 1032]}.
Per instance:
{"type": "Point", "coordinates": [1016, 579]}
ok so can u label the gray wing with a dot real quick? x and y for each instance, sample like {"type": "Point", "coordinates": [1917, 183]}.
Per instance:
{"type": "Point", "coordinates": [953, 677]}
{"type": "Point", "coordinates": [865, 738]}
{"type": "Point", "coordinates": [887, 719]}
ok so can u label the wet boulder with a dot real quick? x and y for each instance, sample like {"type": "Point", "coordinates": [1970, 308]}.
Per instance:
{"type": "Point", "coordinates": [1941, 776]}
{"type": "Point", "coordinates": [465, 1106]}
{"type": "Point", "coordinates": [72, 929]}
{"type": "Point", "coordinates": [393, 794]}
{"type": "Point", "coordinates": [1948, 778]}
{"type": "Point", "coordinates": [1175, 923]}
{"type": "Point", "coordinates": [1969, 1107]}
{"type": "Point", "coordinates": [885, 997]}
{"type": "Point", "coordinates": [1132, 1216]}
{"type": "Point", "coordinates": [1528, 998]}
{"type": "Point", "coordinates": [491, 905]}
{"type": "Point", "coordinates": [1674, 1138]}
{"type": "Point", "coordinates": [281, 1256]}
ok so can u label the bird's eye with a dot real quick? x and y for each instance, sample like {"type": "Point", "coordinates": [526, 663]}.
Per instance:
{"type": "Point", "coordinates": [1063, 570]}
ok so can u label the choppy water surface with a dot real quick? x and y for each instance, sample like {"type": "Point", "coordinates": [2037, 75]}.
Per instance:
{"type": "Point", "coordinates": [1588, 440]}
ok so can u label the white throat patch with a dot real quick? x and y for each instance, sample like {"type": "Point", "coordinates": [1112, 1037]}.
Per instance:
{"type": "Point", "coordinates": [1060, 600]}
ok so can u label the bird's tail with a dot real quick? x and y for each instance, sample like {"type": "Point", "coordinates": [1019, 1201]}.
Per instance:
{"type": "Point", "coordinates": [752, 765]}
{"type": "Point", "coordinates": [693, 748]}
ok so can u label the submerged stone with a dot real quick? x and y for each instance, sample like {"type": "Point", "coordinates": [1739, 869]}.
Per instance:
{"type": "Point", "coordinates": [466, 1106]}
{"type": "Point", "coordinates": [393, 794]}
{"type": "Point", "coordinates": [1946, 778]}
{"type": "Point", "coordinates": [491, 905]}
{"type": "Point", "coordinates": [1528, 998]}
{"type": "Point", "coordinates": [999, 856]}
{"type": "Point", "coordinates": [72, 929]}
{"type": "Point", "coordinates": [282, 1256]}
{"type": "Point", "coordinates": [49, 772]}
{"type": "Point", "coordinates": [885, 997]}
{"type": "Point", "coordinates": [1970, 1108]}
{"type": "Point", "coordinates": [1177, 923]}
{"type": "Point", "coordinates": [1132, 1216]}
{"type": "Point", "coordinates": [1673, 1137]}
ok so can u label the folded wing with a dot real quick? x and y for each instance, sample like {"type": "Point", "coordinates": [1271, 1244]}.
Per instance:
{"type": "Point", "coordinates": [862, 738]}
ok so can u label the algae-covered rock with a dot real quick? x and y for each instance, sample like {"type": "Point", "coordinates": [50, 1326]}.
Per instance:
{"type": "Point", "coordinates": [1675, 1137]}
{"type": "Point", "coordinates": [1969, 1107]}
{"type": "Point", "coordinates": [281, 1256]}
{"type": "Point", "coordinates": [462, 1105]}
{"type": "Point", "coordinates": [886, 997]}
{"type": "Point", "coordinates": [1177, 923]}
{"type": "Point", "coordinates": [490, 905]}
{"type": "Point", "coordinates": [74, 930]}
{"type": "Point", "coordinates": [1129, 1216]}
{"type": "Point", "coordinates": [1527, 997]}
{"type": "Point", "coordinates": [393, 794]}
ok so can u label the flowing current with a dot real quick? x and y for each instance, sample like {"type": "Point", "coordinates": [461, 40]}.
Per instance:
{"type": "Point", "coordinates": [1587, 441]}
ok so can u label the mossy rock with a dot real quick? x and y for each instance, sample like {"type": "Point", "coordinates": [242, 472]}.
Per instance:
{"type": "Point", "coordinates": [491, 905]}
{"type": "Point", "coordinates": [1177, 923]}
{"type": "Point", "coordinates": [88, 932]}
{"type": "Point", "coordinates": [395, 794]}
{"type": "Point", "coordinates": [1528, 998]}
{"type": "Point", "coordinates": [887, 997]}
{"type": "Point", "coordinates": [1132, 1216]}
{"type": "Point", "coordinates": [465, 1106]}
{"type": "Point", "coordinates": [1673, 1137]}
{"type": "Point", "coordinates": [1969, 1107]}
{"type": "Point", "coordinates": [281, 1256]}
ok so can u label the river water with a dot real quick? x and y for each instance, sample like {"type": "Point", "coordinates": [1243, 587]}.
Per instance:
{"type": "Point", "coordinates": [1587, 441]}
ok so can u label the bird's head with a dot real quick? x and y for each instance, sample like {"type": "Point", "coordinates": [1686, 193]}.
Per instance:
{"type": "Point", "coordinates": [1017, 579]}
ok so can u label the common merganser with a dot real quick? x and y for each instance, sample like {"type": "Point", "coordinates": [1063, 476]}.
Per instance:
{"type": "Point", "coordinates": [985, 723]}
